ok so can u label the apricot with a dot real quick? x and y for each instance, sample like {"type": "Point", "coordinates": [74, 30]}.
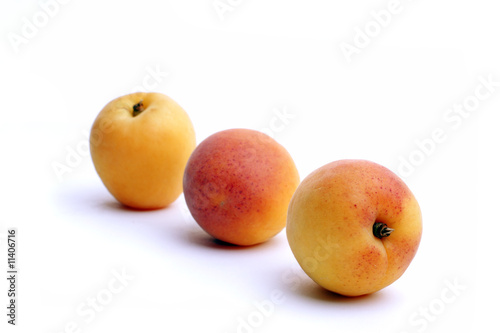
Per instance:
{"type": "Point", "coordinates": [140, 144]}
{"type": "Point", "coordinates": [237, 186]}
{"type": "Point", "coordinates": [354, 226]}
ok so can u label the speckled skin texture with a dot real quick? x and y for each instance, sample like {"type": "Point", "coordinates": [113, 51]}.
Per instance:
{"type": "Point", "coordinates": [237, 186]}
{"type": "Point", "coordinates": [330, 226]}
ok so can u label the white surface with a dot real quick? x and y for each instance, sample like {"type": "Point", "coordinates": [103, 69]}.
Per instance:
{"type": "Point", "coordinates": [237, 72]}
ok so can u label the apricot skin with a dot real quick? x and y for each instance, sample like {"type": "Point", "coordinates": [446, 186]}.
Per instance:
{"type": "Point", "coordinates": [330, 226]}
{"type": "Point", "coordinates": [141, 159]}
{"type": "Point", "coordinates": [238, 184]}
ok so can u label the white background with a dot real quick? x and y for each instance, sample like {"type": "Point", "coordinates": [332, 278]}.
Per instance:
{"type": "Point", "coordinates": [238, 70]}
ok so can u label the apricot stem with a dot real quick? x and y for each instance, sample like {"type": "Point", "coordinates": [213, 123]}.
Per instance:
{"type": "Point", "coordinates": [138, 108]}
{"type": "Point", "coordinates": [381, 230]}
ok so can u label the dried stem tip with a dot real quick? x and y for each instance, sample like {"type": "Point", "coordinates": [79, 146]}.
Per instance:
{"type": "Point", "coordinates": [381, 230]}
{"type": "Point", "coordinates": [138, 108]}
